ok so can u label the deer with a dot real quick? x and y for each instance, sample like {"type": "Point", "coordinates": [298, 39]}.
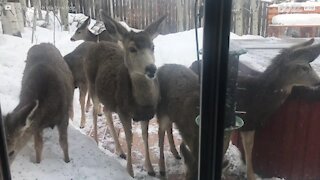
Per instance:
{"type": "Point", "coordinates": [75, 61]}
{"type": "Point", "coordinates": [179, 104]}
{"type": "Point", "coordinates": [45, 101]}
{"type": "Point", "coordinates": [83, 33]}
{"type": "Point", "coordinates": [124, 80]}
{"type": "Point", "coordinates": [266, 92]}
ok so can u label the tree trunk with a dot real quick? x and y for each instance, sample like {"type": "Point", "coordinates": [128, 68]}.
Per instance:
{"type": "Point", "coordinates": [24, 11]}
{"type": "Point", "coordinates": [12, 20]}
{"type": "Point", "coordinates": [39, 10]}
{"type": "Point", "coordinates": [77, 5]}
{"type": "Point", "coordinates": [34, 24]}
{"type": "Point", "coordinates": [179, 16]}
{"type": "Point", "coordinates": [239, 17]}
{"type": "Point", "coordinates": [255, 18]}
{"type": "Point", "coordinates": [98, 6]}
{"type": "Point", "coordinates": [64, 10]}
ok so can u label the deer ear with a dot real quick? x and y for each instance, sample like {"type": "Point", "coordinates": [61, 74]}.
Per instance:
{"type": "Point", "coordinates": [112, 26]}
{"type": "Point", "coordinates": [86, 23]}
{"type": "Point", "coordinates": [307, 53]}
{"type": "Point", "coordinates": [153, 28]}
{"type": "Point", "coordinates": [26, 113]}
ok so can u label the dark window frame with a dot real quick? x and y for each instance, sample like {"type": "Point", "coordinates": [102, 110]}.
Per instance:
{"type": "Point", "coordinates": [213, 90]}
{"type": "Point", "coordinates": [4, 162]}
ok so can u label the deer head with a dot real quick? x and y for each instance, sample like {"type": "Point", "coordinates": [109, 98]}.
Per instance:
{"type": "Point", "coordinates": [16, 124]}
{"type": "Point", "coordinates": [138, 46]}
{"type": "Point", "coordinates": [82, 31]}
{"type": "Point", "coordinates": [292, 67]}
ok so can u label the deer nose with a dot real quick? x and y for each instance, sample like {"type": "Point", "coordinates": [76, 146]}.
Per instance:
{"type": "Point", "coordinates": [72, 39]}
{"type": "Point", "coordinates": [151, 70]}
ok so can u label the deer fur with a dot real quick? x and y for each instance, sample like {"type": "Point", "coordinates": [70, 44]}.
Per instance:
{"type": "Point", "coordinates": [75, 61]}
{"type": "Point", "coordinates": [179, 104]}
{"type": "Point", "coordinates": [267, 91]}
{"type": "Point", "coordinates": [45, 101]}
{"type": "Point", "coordinates": [123, 80]}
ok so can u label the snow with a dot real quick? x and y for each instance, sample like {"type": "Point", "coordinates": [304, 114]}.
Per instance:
{"type": "Point", "coordinates": [296, 19]}
{"type": "Point", "coordinates": [87, 161]}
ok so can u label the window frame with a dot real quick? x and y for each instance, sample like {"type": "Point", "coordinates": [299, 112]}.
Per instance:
{"type": "Point", "coordinates": [217, 19]}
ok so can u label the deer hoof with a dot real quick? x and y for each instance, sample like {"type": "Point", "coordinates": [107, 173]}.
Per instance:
{"type": "Point", "coordinates": [162, 173]}
{"type": "Point", "coordinates": [152, 173]}
{"type": "Point", "coordinates": [99, 114]}
{"type": "Point", "coordinates": [123, 156]}
{"type": "Point", "coordinates": [82, 126]}
{"type": "Point", "coordinates": [67, 160]}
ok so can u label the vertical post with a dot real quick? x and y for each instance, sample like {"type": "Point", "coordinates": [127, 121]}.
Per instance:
{"type": "Point", "coordinates": [213, 89]}
{"type": "Point", "coordinates": [5, 166]}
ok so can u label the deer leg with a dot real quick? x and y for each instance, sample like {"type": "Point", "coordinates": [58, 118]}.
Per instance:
{"type": "Point", "coordinates": [126, 122]}
{"type": "Point", "coordinates": [119, 150]}
{"type": "Point", "coordinates": [88, 104]}
{"type": "Point", "coordinates": [161, 133]}
{"type": "Point", "coordinates": [71, 112]}
{"type": "Point", "coordinates": [95, 117]}
{"type": "Point", "coordinates": [171, 142]}
{"type": "Point", "coordinates": [100, 110]}
{"type": "Point", "coordinates": [147, 162]}
{"type": "Point", "coordinates": [38, 145]}
{"type": "Point", "coordinates": [247, 141]}
{"type": "Point", "coordinates": [63, 140]}
{"type": "Point", "coordinates": [82, 99]}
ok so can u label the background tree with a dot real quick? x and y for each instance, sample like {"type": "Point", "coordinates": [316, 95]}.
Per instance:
{"type": "Point", "coordinates": [64, 10]}
{"type": "Point", "coordinates": [12, 18]}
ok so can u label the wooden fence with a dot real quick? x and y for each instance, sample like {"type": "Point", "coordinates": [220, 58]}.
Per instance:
{"type": "Point", "coordinates": [140, 13]}
{"type": "Point", "coordinates": [248, 17]}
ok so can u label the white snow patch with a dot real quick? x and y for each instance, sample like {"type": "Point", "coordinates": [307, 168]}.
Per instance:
{"type": "Point", "coordinates": [296, 19]}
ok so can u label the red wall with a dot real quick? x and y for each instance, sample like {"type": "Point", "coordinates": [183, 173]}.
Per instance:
{"type": "Point", "coordinates": [289, 145]}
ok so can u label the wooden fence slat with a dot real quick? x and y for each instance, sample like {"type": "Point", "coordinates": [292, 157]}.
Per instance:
{"type": "Point", "coordinates": [180, 14]}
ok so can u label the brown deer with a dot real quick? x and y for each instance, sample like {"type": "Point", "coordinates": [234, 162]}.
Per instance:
{"type": "Point", "coordinates": [266, 92]}
{"type": "Point", "coordinates": [179, 104]}
{"type": "Point", "coordinates": [123, 80]}
{"type": "Point", "coordinates": [83, 33]}
{"type": "Point", "coordinates": [75, 61]}
{"type": "Point", "coordinates": [45, 101]}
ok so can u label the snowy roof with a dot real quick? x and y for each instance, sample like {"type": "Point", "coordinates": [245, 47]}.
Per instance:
{"type": "Point", "coordinates": [296, 19]}
{"type": "Point", "coordinates": [296, 4]}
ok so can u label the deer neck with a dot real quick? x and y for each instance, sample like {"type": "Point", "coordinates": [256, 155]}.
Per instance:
{"type": "Point", "coordinates": [145, 90]}
{"type": "Point", "coordinates": [91, 37]}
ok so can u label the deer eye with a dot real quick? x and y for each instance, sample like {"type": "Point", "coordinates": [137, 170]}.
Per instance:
{"type": "Point", "coordinates": [78, 32]}
{"type": "Point", "coordinates": [132, 49]}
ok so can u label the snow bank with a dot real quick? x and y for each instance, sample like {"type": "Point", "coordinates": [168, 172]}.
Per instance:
{"type": "Point", "coordinates": [296, 19]}
{"type": "Point", "coordinates": [87, 161]}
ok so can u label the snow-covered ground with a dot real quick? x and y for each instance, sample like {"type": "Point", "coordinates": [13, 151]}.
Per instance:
{"type": "Point", "coordinates": [87, 160]}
